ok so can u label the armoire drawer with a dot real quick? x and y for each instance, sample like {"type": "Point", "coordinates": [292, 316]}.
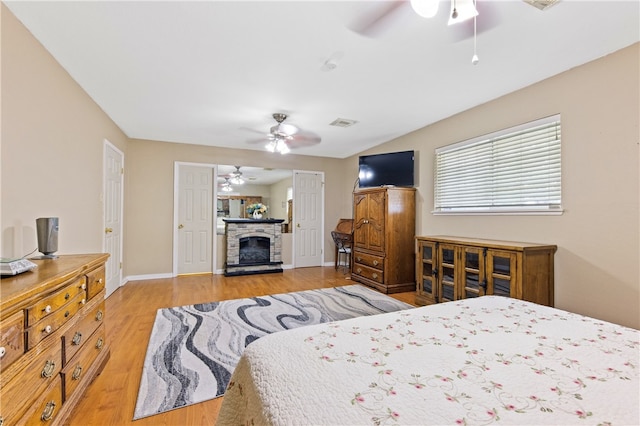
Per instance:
{"type": "Point", "coordinates": [11, 339]}
{"type": "Point", "coordinates": [89, 319]}
{"type": "Point", "coordinates": [368, 260]}
{"type": "Point", "coordinates": [373, 274]}
{"type": "Point", "coordinates": [47, 407]}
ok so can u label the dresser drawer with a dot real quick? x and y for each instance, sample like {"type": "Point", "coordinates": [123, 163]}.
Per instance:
{"type": "Point", "coordinates": [49, 305]}
{"type": "Point", "coordinates": [74, 372]}
{"type": "Point", "coordinates": [88, 320]}
{"type": "Point", "coordinates": [40, 370]}
{"type": "Point", "coordinates": [95, 282]}
{"type": "Point", "coordinates": [368, 260]}
{"type": "Point", "coordinates": [369, 273]}
{"type": "Point", "coordinates": [46, 408]}
{"type": "Point", "coordinates": [55, 320]}
{"type": "Point", "coordinates": [11, 339]}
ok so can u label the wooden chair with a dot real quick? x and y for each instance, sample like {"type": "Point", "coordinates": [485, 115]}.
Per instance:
{"type": "Point", "coordinates": [343, 239]}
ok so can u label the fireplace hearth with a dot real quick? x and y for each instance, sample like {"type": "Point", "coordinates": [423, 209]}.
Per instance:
{"type": "Point", "coordinates": [254, 246]}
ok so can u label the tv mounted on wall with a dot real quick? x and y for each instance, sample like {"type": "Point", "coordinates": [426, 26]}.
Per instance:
{"type": "Point", "coordinates": [392, 169]}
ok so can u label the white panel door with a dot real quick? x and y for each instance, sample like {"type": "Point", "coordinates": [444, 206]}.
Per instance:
{"type": "Point", "coordinates": [308, 195]}
{"type": "Point", "coordinates": [113, 185]}
{"type": "Point", "coordinates": [195, 219]}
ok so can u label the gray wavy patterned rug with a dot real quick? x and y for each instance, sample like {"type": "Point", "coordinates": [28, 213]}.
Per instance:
{"type": "Point", "coordinates": [194, 349]}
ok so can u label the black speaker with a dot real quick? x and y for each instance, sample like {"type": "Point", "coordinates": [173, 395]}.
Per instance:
{"type": "Point", "coordinates": [47, 231]}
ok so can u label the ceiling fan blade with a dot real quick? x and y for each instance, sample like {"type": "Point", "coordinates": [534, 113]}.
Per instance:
{"type": "Point", "coordinates": [377, 20]}
{"type": "Point", "coordinates": [303, 139]}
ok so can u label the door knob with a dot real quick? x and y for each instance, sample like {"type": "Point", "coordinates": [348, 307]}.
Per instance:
{"type": "Point", "coordinates": [180, 226]}
{"type": "Point", "coordinates": [298, 225]}
{"type": "Point", "coordinates": [108, 230]}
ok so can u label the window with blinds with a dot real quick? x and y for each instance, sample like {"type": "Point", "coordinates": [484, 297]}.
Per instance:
{"type": "Point", "coordinates": [517, 170]}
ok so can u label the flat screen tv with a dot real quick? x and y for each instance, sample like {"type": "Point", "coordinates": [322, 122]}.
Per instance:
{"type": "Point", "coordinates": [390, 169]}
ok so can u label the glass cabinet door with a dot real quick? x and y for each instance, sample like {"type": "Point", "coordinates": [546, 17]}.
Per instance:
{"type": "Point", "coordinates": [501, 273]}
{"type": "Point", "coordinates": [473, 272]}
{"type": "Point", "coordinates": [447, 273]}
{"type": "Point", "coordinates": [426, 273]}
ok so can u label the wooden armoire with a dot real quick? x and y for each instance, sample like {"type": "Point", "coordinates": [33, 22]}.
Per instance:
{"type": "Point", "coordinates": [383, 238]}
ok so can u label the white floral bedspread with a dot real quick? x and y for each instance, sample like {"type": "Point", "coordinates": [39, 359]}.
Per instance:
{"type": "Point", "coordinates": [490, 360]}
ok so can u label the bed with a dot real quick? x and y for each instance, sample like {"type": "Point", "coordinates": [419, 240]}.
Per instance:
{"type": "Point", "coordinates": [490, 360]}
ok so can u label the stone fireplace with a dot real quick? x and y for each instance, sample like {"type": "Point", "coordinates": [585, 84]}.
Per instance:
{"type": "Point", "coordinates": [254, 246]}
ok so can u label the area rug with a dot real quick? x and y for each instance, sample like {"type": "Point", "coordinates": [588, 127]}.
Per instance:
{"type": "Point", "coordinates": [194, 349]}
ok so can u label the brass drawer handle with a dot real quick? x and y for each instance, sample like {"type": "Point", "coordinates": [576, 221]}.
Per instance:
{"type": "Point", "coordinates": [49, 368]}
{"type": "Point", "coordinates": [99, 343]}
{"type": "Point", "coordinates": [359, 270]}
{"type": "Point", "coordinates": [77, 372]}
{"type": "Point", "coordinates": [359, 259]}
{"type": "Point", "coordinates": [374, 275]}
{"type": "Point", "coordinates": [3, 352]}
{"type": "Point", "coordinates": [375, 263]}
{"type": "Point", "coordinates": [47, 414]}
{"type": "Point", "coordinates": [99, 316]}
{"type": "Point", "coordinates": [77, 338]}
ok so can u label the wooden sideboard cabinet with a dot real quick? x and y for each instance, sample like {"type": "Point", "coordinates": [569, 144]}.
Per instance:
{"type": "Point", "coordinates": [452, 268]}
{"type": "Point", "coordinates": [52, 338]}
{"type": "Point", "coordinates": [383, 235]}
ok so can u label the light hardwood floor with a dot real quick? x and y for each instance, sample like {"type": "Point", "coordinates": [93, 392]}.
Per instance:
{"type": "Point", "coordinates": [131, 310]}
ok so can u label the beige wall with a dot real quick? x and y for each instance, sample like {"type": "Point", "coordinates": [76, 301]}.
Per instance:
{"type": "Point", "coordinates": [52, 142]}
{"type": "Point", "coordinates": [598, 235]}
{"type": "Point", "coordinates": [149, 203]}
{"type": "Point", "coordinates": [52, 148]}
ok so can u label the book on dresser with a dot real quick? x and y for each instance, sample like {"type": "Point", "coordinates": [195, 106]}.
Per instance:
{"type": "Point", "coordinates": [52, 337]}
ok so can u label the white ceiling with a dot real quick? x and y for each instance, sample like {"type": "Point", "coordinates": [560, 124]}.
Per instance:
{"type": "Point", "coordinates": [213, 72]}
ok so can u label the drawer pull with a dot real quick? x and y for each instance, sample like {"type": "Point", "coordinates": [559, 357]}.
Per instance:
{"type": "Point", "coordinates": [99, 343]}
{"type": "Point", "coordinates": [375, 263]}
{"type": "Point", "coordinates": [66, 314]}
{"type": "Point", "coordinates": [83, 301]}
{"type": "Point", "coordinates": [49, 368]}
{"type": "Point", "coordinates": [48, 329]}
{"type": "Point", "coordinates": [77, 372]}
{"type": "Point", "coordinates": [83, 286]}
{"type": "Point", "coordinates": [1, 421]}
{"type": "Point", "coordinates": [99, 316]}
{"type": "Point", "coordinates": [359, 270]}
{"type": "Point", "coordinates": [374, 275]}
{"type": "Point", "coordinates": [66, 296]}
{"type": "Point", "coordinates": [77, 338]}
{"type": "Point", "coordinates": [3, 351]}
{"type": "Point", "coordinates": [47, 414]}
{"type": "Point", "coordinates": [100, 281]}
{"type": "Point", "coordinates": [47, 309]}
{"type": "Point", "coordinates": [359, 259]}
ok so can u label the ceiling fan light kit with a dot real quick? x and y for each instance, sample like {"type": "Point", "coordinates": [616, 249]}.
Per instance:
{"type": "Point", "coordinates": [425, 8]}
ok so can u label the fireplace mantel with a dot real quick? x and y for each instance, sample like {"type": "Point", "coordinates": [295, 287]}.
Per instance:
{"type": "Point", "coordinates": [228, 220]}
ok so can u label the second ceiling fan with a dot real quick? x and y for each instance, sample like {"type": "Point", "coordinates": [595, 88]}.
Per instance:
{"type": "Point", "coordinates": [284, 136]}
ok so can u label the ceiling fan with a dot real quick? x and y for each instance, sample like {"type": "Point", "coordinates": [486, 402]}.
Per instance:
{"type": "Point", "coordinates": [284, 136]}
{"type": "Point", "coordinates": [236, 177]}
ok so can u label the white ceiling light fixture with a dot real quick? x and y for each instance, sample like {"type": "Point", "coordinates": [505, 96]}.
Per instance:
{"type": "Point", "coordinates": [425, 8]}
{"type": "Point", "coordinates": [226, 185]}
{"type": "Point", "coordinates": [236, 177]}
{"type": "Point", "coordinates": [462, 10]}
{"type": "Point", "coordinates": [278, 145]}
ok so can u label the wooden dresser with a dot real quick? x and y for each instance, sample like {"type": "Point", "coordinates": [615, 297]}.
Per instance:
{"type": "Point", "coordinates": [52, 338]}
{"type": "Point", "coordinates": [452, 268]}
{"type": "Point", "coordinates": [383, 238]}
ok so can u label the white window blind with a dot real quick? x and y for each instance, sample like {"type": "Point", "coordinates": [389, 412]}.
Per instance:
{"type": "Point", "coordinates": [516, 170]}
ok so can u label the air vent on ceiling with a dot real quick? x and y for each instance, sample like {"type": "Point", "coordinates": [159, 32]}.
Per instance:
{"type": "Point", "coordinates": [343, 122]}
{"type": "Point", "coordinates": [541, 4]}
